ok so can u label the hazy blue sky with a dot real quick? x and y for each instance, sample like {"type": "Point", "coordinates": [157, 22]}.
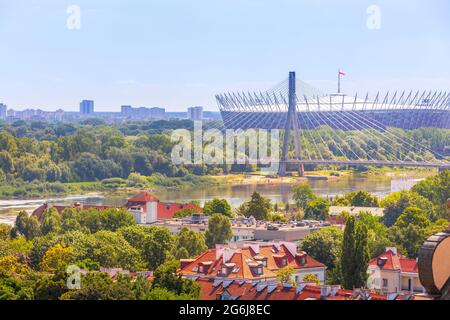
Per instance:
{"type": "Point", "coordinates": [179, 53]}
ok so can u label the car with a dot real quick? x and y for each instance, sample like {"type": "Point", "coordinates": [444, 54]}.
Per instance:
{"type": "Point", "coordinates": [272, 228]}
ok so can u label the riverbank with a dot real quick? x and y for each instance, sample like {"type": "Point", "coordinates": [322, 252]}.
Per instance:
{"type": "Point", "coordinates": [158, 183]}
{"type": "Point", "coordinates": [236, 189]}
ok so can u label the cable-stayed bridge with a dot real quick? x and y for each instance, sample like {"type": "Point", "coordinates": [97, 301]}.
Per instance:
{"type": "Point", "coordinates": [317, 120]}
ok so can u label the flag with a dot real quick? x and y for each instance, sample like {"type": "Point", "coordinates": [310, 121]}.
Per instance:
{"type": "Point", "coordinates": [341, 72]}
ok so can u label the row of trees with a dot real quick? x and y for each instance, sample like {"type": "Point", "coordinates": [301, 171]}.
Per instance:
{"type": "Point", "coordinates": [93, 151]}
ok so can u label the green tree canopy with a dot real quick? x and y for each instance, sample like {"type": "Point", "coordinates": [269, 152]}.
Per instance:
{"type": "Point", "coordinates": [303, 194]}
{"type": "Point", "coordinates": [395, 203]}
{"type": "Point", "coordinates": [219, 230]}
{"type": "Point", "coordinates": [317, 209]}
{"type": "Point", "coordinates": [258, 207]}
{"type": "Point", "coordinates": [324, 245]}
{"type": "Point", "coordinates": [218, 206]}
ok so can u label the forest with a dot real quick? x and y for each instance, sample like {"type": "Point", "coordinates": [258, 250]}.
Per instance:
{"type": "Point", "coordinates": [38, 158]}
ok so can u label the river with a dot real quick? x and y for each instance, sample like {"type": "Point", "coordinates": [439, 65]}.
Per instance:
{"type": "Point", "coordinates": [379, 185]}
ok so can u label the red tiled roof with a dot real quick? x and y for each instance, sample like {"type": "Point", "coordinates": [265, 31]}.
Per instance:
{"type": "Point", "coordinates": [143, 197]}
{"type": "Point", "coordinates": [248, 292]}
{"type": "Point", "coordinates": [396, 262]}
{"type": "Point", "coordinates": [167, 211]}
{"type": "Point", "coordinates": [244, 257]}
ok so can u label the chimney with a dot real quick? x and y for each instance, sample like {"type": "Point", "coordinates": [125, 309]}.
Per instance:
{"type": "Point", "coordinates": [393, 249]}
{"type": "Point", "coordinates": [325, 292]}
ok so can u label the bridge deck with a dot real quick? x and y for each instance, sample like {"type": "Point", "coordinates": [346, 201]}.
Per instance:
{"type": "Point", "coordinates": [376, 163]}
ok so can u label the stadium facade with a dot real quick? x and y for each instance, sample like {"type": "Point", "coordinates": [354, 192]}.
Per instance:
{"type": "Point", "coordinates": [269, 110]}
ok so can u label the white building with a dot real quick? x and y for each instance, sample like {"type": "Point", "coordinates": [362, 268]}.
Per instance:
{"type": "Point", "coordinates": [393, 273]}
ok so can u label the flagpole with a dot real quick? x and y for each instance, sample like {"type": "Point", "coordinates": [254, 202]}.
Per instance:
{"type": "Point", "coordinates": [339, 81]}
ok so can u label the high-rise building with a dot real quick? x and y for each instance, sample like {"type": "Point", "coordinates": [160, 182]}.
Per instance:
{"type": "Point", "coordinates": [3, 109]}
{"type": "Point", "coordinates": [87, 107]}
{"type": "Point", "coordinates": [195, 113]}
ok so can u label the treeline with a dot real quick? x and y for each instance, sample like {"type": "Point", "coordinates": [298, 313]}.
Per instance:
{"type": "Point", "coordinates": [92, 151]}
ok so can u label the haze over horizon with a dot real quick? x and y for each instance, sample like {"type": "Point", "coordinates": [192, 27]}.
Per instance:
{"type": "Point", "coordinates": [176, 54]}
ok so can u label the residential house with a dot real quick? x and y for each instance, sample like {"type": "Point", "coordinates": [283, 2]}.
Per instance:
{"type": "Point", "coordinates": [393, 273]}
{"type": "Point", "coordinates": [253, 261]}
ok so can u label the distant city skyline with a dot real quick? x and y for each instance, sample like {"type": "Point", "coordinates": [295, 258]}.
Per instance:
{"type": "Point", "coordinates": [175, 54]}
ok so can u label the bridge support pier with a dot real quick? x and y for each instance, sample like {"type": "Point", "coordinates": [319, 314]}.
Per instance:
{"type": "Point", "coordinates": [291, 123]}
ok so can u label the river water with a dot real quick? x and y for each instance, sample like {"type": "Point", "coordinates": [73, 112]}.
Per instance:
{"type": "Point", "coordinates": [379, 185]}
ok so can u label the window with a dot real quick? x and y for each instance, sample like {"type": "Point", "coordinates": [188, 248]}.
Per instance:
{"type": "Point", "coordinates": [201, 269]}
{"type": "Point", "coordinates": [385, 282]}
{"type": "Point", "coordinates": [260, 270]}
{"type": "Point", "coordinates": [224, 270]}
{"type": "Point", "coordinates": [283, 262]}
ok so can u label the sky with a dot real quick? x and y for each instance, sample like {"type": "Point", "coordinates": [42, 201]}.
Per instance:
{"type": "Point", "coordinates": [178, 53]}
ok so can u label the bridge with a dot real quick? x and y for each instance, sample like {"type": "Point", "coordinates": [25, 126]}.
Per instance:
{"type": "Point", "coordinates": [336, 129]}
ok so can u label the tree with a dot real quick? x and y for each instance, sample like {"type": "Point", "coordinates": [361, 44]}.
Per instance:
{"type": "Point", "coordinates": [437, 190]}
{"type": "Point", "coordinates": [258, 207]}
{"type": "Point", "coordinates": [5, 231]}
{"type": "Point", "coordinates": [285, 275]}
{"type": "Point", "coordinates": [219, 230]}
{"type": "Point", "coordinates": [362, 256]}
{"type": "Point", "coordinates": [193, 242]}
{"type": "Point", "coordinates": [324, 245]}
{"type": "Point", "coordinates": [311, 278]}
{"type": "Point", "coordinates": [166, 295]}
{"type": "Point", "coordinates": [158, 248]}
{"type": "Point", "coordinates": [340, 201]}
{"type": "Point", "coordinates": [51, 221]}
{"type": "Point", "coordinates": [12, 266]}
{"type": "Point", "coordinates": [218, 206]}
{"type": "Point", "coordinates": [347, 261]}
{"type": "Point", "coordinates": [56, 258]}
{"type": "Point", "coordinates": [317, 209]}
{"type": "Point", "coordinates": [410, 238]}
{"type": "Point", "coordinates": [355, 255]}
{"type": "Point", "coordinates": [377, 234]}
{"type": "Point", "coordinates": [184, 213]}
{"type": "Point", "coordinates": [166, 277]}
{"type": "Point", "coordinates": [303, 194]}
{"type": "Point", "coordinates": [362, 199]}
{"type": "Point", "coordinates": [100, 286]}
{"type": "Point", "coordinates": [26, 226]}
{"type": "Point", "coordinates": [50, 287]}
{"type": "Point", "coordinates": [415, 216]}
{"type": "Point", "coordinates": [395, 203]}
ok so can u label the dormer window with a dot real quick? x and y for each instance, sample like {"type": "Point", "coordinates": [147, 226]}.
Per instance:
{"type": "Point", "coordinates": [261, 259]}
{"type": "Point", "coordinates": [257, 268]}
{"type": "Point", "coordinates": [284, 262]}
{"type": "Point", "coordinates": [201, 269]}
{"type": "Point", "coordinates": [227, 268]}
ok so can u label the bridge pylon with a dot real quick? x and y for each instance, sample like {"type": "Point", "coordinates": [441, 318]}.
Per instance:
{"type": "Point", "coordinates": [291, 124]}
